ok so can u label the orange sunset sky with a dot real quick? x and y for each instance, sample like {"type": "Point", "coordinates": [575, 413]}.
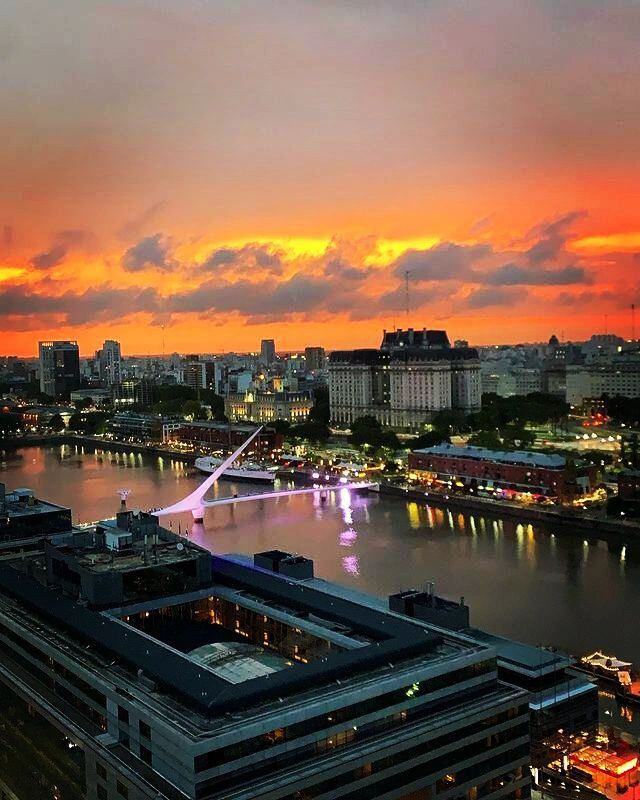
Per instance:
{"type": "Point", "coordinates": [217, 172]}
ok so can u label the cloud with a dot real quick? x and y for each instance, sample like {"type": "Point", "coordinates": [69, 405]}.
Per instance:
{"type": "Point", "coordinates": [63, 242]}
{"type": "Point", "coordinates": [552, 237]}
{"type": "Point", "coordinates": [338, 268]}
{"type": "Point", "coordinates": [99, 304]}
{"type": "Point", "coordinates": [154, 251]}
{"type": "Point", "coordinates": [49, 258]}
{"type": "Point", "coordinates": [442, 262]}
{"type": "Point", "coordinates": [250, 255]}
{"type": "Point", "coordinates": [490, 296]}
{"type": "Point", "coordinates": [516, 275]}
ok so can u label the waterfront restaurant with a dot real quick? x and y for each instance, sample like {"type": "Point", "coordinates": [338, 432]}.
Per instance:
{"type": "Point", "coordinates": [499, 474]}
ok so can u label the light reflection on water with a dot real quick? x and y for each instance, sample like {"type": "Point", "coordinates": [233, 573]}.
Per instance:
{"type": "Point", "coordinates": [521, 581]}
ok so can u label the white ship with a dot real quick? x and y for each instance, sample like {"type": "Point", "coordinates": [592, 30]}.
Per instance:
{"type": "Point", "coordinates": [245, 471]}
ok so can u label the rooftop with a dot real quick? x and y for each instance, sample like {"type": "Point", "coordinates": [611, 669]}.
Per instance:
{"type": "Point", "coordinates": [506, 457]}
{"type": "Point", "coordinates": [23, 503]}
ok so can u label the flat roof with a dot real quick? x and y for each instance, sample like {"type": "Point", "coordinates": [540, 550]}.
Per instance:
{"type": "Point", "coordinates": [549, 461]}
{"type": "Point", "coordinates": [522, 657]}
{"type": "Point", "coordinates": [395, 640]}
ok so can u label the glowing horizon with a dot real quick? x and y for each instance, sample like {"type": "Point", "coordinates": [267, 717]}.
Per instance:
{"type": "Point", "coordinates": [269, 188]}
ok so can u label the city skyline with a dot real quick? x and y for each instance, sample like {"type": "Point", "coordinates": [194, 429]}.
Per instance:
{"type": "Point", "coordinates": [278, 170]}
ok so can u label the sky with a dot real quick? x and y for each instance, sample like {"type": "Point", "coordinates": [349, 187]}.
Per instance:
{"type": "Point", "coordinates": [198, 175]}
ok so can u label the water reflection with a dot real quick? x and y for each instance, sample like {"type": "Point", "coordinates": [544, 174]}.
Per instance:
{"type": "Point", "coordinates": [522, 581]}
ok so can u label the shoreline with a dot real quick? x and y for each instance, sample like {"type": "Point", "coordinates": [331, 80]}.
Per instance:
{"type": "Point", "coordinates": [564, 519]}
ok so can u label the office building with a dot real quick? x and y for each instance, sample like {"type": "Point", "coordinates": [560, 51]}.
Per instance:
{"type": "Point", "coordinates": [176, 674]}
{"type": "Point", "coordinates": [413, 375]}
{"type": "Point", "coordinates": [255, 406]}
{"type": "Point", "coordinates": [109, 360]}
{"type": "Point", "coordinates": [315, 358]}
{"type": "Point", "coordinates": [194, 372]}
{"type": "Point", "coordinates": [618, 376]}
{"type": "Point", "coordinates": [560, 697]}
{"type": "Point", "coordinates": [138, 392]}
{"type": "Point", "coordinates": [59, 367]}
{"type": "Point", "coordinates": [502, 474]}
{"type": "Point", "coordinates": [143, 427]}
{"type": "Point", "coordinates": [267, 351]}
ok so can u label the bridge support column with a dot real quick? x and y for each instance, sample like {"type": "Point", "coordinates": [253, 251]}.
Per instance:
{"type": "Point", "coordinates": [198, 514]}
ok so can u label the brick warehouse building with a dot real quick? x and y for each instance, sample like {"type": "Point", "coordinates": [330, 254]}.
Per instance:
{"type": "Point", "coordinates": [507, 473]}
{"type": "Point", "coordinates": [222, 436]}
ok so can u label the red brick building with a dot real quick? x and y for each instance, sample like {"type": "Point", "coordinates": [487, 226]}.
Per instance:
{"type": "Point", "coordinates": [494, 472]}
{"type": "Point", "coordinates": [222, 436]}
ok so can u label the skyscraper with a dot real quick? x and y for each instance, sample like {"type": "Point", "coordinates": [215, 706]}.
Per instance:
{"type": "Point", "coordinates": [267, 351]}
{"type": "Point", "coordinates": [59, 367]}
{"type": "Point", "coordinates": [109, 362]}
{"type": "Point", "coordinates": [315, 358]}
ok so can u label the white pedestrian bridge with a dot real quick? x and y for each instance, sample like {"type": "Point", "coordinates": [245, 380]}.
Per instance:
{"type": "Point", "coordinates": [196, 502]}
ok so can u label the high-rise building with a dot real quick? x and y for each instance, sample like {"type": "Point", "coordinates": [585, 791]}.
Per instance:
{"type": "Point", "coordinates": [194, 372]}
{"type": "Point", "coordinates": [413, 375]}
{"type": "Point", "coordinates": [144, 667]}
{"type": "Point", "coordinates": [267, 351]}
{"type": "Point", "coordinates": [59, 367]}
{"type": "Point", "coordinates": [110, 362]}
{"type": "Point", "coordinates": [315, 357]}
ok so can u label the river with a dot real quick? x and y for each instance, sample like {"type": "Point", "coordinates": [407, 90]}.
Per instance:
{"type": "Point", "coordinates": [521, 581]}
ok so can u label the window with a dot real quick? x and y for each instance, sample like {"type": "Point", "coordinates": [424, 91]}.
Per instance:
{"type": "Point", "coordinates": [145, 730]}
{"type": "Point", "coordinates": [101, 771]}
{"type": "Point", "coordinates": [123, 715]}
{"type": "Point", "coordinates": [101, 792]}
{"type": "Point", "coordinates": [122, 790]}
{"type": "Point", "coordinates": [145, 754]}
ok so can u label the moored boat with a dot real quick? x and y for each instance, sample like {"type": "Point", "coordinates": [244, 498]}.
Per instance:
{"type": "Point", "coordinates": [246, 471]}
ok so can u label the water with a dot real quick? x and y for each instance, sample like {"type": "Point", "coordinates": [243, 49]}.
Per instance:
{"type": "Point", "coordinates": [519, 581]}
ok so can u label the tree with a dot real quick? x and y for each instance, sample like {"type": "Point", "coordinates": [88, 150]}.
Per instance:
{"type": "Point", "coordinates": [429, 439]}
{"type": "Point", "coordinates": [487, 438]}
{"type": "Point", "coordinates": [193, 409]}
{"type": "Point", "coordinates": [448, 421]}
{"type": "Point", "coordinates": [311, 430]}
{"type": "Point", "coordinates": [282, 426]}
{"type": "Point", "coordinates": [82, 405]}
{"type": "Point", "coordinates": [320, 411]}
{"type": "Point", "coordinates": [56, 423]}
{"type": "Point", "coordinates": [76, 423]}
{"type": "Point", "coordinates": [516, 436]}
{"type": "Point", "coordinates": [365, 430]}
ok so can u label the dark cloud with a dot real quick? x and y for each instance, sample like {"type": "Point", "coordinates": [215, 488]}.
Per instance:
{"type": "Point", "coordinates": [299, 293]}
{"type": "Point", "coordinates": [339, 268]}
{"type": "Point", "coordinates": [50, 258]}
{"type": "Point", "coordinates": [552, 237]}
{"type": "Point", "coordinates": [250, 255]}
{"type": "Point", "coordinates": [103, 303]}
{"type": "Point", "coordinates": [495, 296]}
{"type": "Point", "coordinates": [154, 251]}
{"type": "Point", "coordinates": [516, 275]}
{"type": "Point", "coordinates": [63, 243]}
{"type": "Point", "coordinates": [443, 262]}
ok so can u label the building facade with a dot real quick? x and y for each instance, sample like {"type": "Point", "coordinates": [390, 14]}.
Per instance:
{"type": "Point", "coordinates": [143, 427]}
{"type": "Point", "coordinates": [267, 351]}
{"type": "Point", "coordinates": [180, 675]}
{"type": "Point", "coordinates": [223, 436]}
{"type": "Point", "coordinates": [403, 384]}
{"type": "Point", "coordinates": [315, 358]}
{"type": "Point", "coordinates": [59, 367]}
{"type": "Point", "coordinates": [502, 473]}
{"type": "Point", "coordinates": [255, 406]}
{"type": "Point", "coordinates": [619, 377]}
{"type": "Point", "coordinates": [109, 360]}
